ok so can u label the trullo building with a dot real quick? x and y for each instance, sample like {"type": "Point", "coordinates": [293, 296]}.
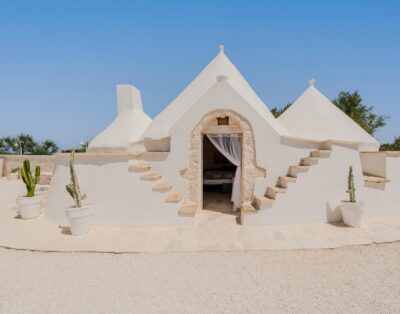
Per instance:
{"type": "Point", "coordinates": [218, 147]}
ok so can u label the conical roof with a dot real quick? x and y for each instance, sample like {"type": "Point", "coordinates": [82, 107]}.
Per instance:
{"type": "Point", "coordinates": [127, 127]}
{"type": "Point", "coordinates": [312, 116]}
{"type": "Point", "coordinates": [219, 66]}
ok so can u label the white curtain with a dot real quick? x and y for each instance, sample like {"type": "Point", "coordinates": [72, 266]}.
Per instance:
{"type": "Point", "coordinates": [229, 146]}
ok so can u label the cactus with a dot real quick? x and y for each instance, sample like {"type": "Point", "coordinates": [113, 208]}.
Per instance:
{"type": "Point", "coordinates": [14, 170]}
{"type": "Point", "coordinates": [28, 179]}
{"type": "Point", "coordinates": [350, 186]}
{"type": "Point", "coordinates": [73, 187]}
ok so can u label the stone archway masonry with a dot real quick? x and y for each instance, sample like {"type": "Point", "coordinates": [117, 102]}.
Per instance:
{"type": "Point", "coordinates": [193, 174]}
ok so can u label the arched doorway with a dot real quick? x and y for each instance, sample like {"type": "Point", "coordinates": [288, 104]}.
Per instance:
{"type": "Point", "coordinates": [222, 168]}
{"type": "Point", "coordinates": [209, 124]}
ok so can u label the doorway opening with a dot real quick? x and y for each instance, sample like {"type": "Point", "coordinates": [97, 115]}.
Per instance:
{"type": "Point", "coordinates": [218, 177]}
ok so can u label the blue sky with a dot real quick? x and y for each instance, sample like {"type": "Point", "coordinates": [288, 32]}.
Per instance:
{"type": "Point", "coordinates": [60, 60]}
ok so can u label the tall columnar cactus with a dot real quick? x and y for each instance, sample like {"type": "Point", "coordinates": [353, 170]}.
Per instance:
{"type": "Point", "coordinates": [350, 186]}
{"type": "Point", "coordinates": [28, 179]}
{"type": "Point", "coordinates": [73, 187]}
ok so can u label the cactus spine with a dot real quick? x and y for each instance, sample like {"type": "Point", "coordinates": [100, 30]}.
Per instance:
{"type": "Point", "coordinates": [73, 187]}
{"type": "Point", "coordinates": [29, 180]}
{"type": "Point", "coordinates": [350, 186]}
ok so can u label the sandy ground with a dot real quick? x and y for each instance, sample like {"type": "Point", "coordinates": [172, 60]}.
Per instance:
{"type": "Point", "coordinates": [358, 279]}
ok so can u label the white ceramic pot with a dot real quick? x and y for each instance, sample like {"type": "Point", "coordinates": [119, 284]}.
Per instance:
{"type": "Point", "coordinates": [352, 213]}
{"type": "Point", "coordinates": [12, 176]}
{"type": "Point", "coordinates": [29, 207]}
{"type": "Point", "coordinates": [80, 219]}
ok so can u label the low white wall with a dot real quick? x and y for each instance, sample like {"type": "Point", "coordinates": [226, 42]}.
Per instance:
{"type": "Point", "coordinates": [317, 194]}
{"type": "Point", "coordinates": [374, 163]}
{"type": "Point", "coordinates": [119, 196]}
{"type": "Point", "coordinates": [46, 162]}
{"type": "Point", "coordinates": [384, 198]}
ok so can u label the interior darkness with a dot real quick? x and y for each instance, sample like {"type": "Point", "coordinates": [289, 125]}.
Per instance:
{"type": "Point", "coordinates": [218, 172]}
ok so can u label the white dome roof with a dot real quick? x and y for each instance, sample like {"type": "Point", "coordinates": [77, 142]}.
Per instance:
{"type": "Point", "coordinates": [219, 68]}
{"type": "Point", "coordinates": [312, 116]}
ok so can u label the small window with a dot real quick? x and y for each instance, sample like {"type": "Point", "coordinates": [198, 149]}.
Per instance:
{"type": "Point", "coordinates": [223, 121]}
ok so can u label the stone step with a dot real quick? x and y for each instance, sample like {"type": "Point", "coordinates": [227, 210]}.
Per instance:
{"type": "Point", "coordinates": [262, 202]}
{"type": "Point", "coordinates": [173, 197]}
{"type": "Point", "coordinates": [246, 209]}
{"type": "Point", "coordinates": [162, 187]}
{"type": "Point", "coordinates": [295, 170]}
{"type": "Point", "coordinates": [273, 191]}
{"type": "Point", "coordinates": [308, 161]}
{"type": "Point", "coordinates": [374, 179]}
{"type": "Point", "coordinates": [188, 209]}
{"type": "Point", "coordinates": [321, 153]}
{"type": "Point", "coordinates": [139, 167]}
{"type": "Point", "coordinates": [284, 180]}
{"type": "Point", "coordinates": [150, 176]}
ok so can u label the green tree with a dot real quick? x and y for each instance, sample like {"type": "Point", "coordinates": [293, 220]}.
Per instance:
{"type": "Point", "coordinates": [9, 145]}
{"type": "Point", "coordinates": [25, 144]}
{"type": "Point", "coordinates": [278, 111]}
{"type": "Point", "coordinates": [28, 144]}
{"type": "Point", "coordinates": [2, 146]}
{"type": "Point", "coordinates": [352, 105]}
{"type": "Point", "coordinates": [47, 147]}
{"type": "Point", "coordinates": [395, 146]}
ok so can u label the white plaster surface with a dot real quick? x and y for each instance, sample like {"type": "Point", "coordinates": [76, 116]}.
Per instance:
{"type": "Point", "coordinates": [212, 232]}
{"type": "Point", "coordinates": [220, 66]}
{"type": "Point", "coordinates": [313, 116]}
{"type": "Point", "coordinates": [127, 127]}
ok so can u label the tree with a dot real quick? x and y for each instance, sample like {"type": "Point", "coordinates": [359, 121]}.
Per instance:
{"type": "Point", "coordinates": [2, 146]}
{"type": "Point", "coordinates": [47, 147]}
{"type": "Point", "coordinates": [278, 111]}
{"type": "Point", "coordinates": [352, 105]}
{"type": "Point", "coordinates": [25, 144]}
{"type": "Point", "coordinates": [9, 144]}
{"type": "Point", "coordinates": [395, 146]}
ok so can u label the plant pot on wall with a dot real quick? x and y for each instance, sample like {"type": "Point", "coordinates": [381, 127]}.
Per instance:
{"type": "Point", "coordinates": [352, 213]}
{"type": "Point", "coordinates": [29, 207]}
{"type": "Point", "coordinates": [80, 219]}
{"type": "Point", "coordinates": [31, 204]}
{"type": "Point", "coordinates": [80, 216]}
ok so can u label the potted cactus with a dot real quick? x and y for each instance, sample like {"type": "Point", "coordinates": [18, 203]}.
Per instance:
{"type": "Point", "coordinates": [80, 216]}
{"type": "Point", "coordinates": [13, 175]}
{"type": "Point", "coordinates": [352, 210]}
{"type": "Point", "coordinates": [29, 205]}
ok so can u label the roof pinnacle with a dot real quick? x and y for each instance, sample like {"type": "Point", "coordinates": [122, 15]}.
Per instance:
{"type": "Point", "coordinates": [221, 48]}
{"type": "Point", "coordinates": [312, 82]}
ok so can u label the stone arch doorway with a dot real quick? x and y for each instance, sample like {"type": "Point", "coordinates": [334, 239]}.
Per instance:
{"type": "Point", "coordinates": [222, 167]}
{"type": "Point", "coordinates": [213, 123]}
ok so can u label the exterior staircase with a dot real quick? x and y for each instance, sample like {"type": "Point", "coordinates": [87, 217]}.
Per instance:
{"type": "Point", "coordinates": [144, 169]}
{"type": "Point", "coordinates": [273, 193]}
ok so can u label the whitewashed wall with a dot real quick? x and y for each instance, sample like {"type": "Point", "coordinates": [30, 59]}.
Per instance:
{"type": "Point", "coordinates": [121, 198]}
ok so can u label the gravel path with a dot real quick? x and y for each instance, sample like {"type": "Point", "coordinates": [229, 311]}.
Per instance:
{"type": "Point", "coordinates": [362, 279]}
